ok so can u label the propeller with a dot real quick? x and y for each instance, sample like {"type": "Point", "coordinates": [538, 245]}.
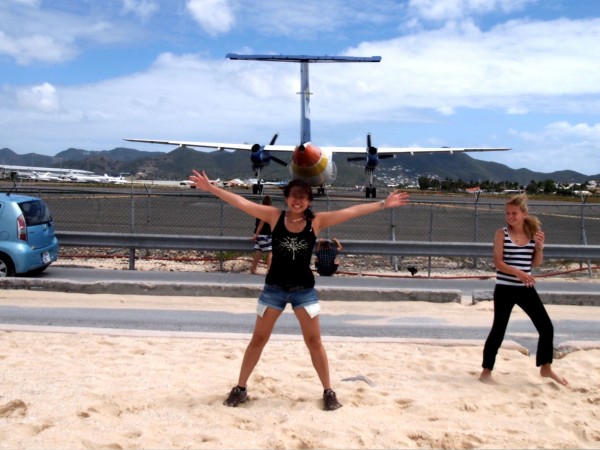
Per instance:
{"type": "Point", "coordinates": [370, 158]}
{"type": "Point", "coordinates": [275, 158]}
{"type": "Point", "coordinates": [262, 157]}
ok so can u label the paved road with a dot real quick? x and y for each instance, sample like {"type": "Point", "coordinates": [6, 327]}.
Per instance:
{"type": "Point", "coordinates": [424, 327]}
{"type": "Point", "coordinates": [520, 330]}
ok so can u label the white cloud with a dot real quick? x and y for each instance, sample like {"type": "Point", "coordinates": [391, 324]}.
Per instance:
{"type": "Point", "coordinates": [30, 34]}
{"type": "Point", "coordinates": [143, 9]}
{"type": "Point", "coordinates": [214, 16]}
{"type": "Point", "coordinates": [445, 110]}
{"type": "Point", "coordinates": [533, 66]}
{"type": "Point", "coordinates": [42, 98]}
{"type": "Point", "coordinates": [443, 10]}
{"type": "Point", "coordinates": [556, 145]}
{"type": "Point", "coordinates": [31, 3]}
{"type": "Point", "coordinates": [563, 131]}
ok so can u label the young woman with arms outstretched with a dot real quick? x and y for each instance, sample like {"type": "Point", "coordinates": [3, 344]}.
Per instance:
{"type": "Point", "coordinates": [290, 278]}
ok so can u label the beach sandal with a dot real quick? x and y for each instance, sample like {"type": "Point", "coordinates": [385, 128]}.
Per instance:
{"type": "Point", "coordinates": [330, 400]}
{"type": "Point", "coordinates": [236, 396]}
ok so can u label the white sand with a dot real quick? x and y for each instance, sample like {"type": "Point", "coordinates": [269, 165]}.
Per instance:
{"type": "Point", "coordinates": [64, 388]}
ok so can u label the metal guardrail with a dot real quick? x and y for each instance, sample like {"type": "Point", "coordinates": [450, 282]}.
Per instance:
{"type": "Point", "coordinates": [353, 247]}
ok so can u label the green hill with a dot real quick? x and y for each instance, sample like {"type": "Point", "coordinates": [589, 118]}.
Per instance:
{"type": "Point", "coordinates": [178, 163]}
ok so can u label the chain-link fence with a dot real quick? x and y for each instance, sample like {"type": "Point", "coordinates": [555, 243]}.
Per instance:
{"type": "Point", "coordinates": [428, 217]}
{"type": "Point", "coordinates": [425, 219]}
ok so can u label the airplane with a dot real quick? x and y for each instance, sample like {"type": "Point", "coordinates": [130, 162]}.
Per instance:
{"type": "Point", "coordinates": [45, 176]}
{"type": "Point", "coordinates": [189, 183]}
{"type": "Point", "coordinates": [114, 180]}
{"type": "Point", "coordinates": [236, 182]}
{"type": "Point", "coordinates": [81, 178]}
{"type": "Point", "coordinates": [84, 178]}
{"type": "Point", "coordinates": [310, 162]}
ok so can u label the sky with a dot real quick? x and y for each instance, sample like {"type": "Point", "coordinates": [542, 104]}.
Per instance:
{"type": "Point", "coordinates": [523, 74]}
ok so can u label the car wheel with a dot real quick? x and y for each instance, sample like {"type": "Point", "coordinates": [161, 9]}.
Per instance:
{"type": "Point", "coordinates": [6, 267]}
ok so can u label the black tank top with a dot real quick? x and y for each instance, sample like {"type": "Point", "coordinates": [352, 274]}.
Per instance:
{"type": "Point", "coordinates": [292, 254]}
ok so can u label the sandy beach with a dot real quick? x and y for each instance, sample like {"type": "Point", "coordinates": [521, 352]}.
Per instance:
{"type": "Point", "coordinates": [84, 388]}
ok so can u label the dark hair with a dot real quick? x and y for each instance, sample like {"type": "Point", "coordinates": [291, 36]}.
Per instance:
{"type": "Point", "coordinates": [303, 187]}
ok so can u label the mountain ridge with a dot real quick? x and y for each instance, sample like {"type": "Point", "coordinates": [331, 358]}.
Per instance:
{"type": "Point", "coordinates": [178, 163]}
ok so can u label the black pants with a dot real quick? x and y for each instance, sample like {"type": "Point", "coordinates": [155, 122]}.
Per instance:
{"type": "Point", "coordinates": [505, 298]}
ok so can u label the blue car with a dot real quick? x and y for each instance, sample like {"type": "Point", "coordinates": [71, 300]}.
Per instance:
{"type": "Point", "coordinates": [27, 242]}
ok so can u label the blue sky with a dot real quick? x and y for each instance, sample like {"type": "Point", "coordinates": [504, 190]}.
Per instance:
{"type": "Point", "coordinates": [523, 74]}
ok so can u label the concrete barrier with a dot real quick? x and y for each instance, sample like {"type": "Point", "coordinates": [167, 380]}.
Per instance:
{"type": "Point", "coordinates": [226, 290]}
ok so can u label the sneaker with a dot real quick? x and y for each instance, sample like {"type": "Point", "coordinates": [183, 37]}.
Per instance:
{"type": "Point", "coordinates": [330, 400]}
{"type": "Point", "coordinates": [236, 396]}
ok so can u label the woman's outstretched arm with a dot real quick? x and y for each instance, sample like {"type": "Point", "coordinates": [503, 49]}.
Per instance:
{"type": "Point", "coordinates": [327, 219]}
{"type": "Point", "coordinates": [267, 213]}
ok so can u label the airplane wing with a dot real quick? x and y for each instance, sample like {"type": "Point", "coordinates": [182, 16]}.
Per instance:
{"type": "Point", "coordinates": [290, 148]}
{"type": "Point", "coordinates": [216, 145]}
{"type": "Point", "coordinates": [412, 150]}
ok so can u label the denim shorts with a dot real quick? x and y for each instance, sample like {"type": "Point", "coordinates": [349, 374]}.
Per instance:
{"type": "Point", "coordinates": [277, 298]}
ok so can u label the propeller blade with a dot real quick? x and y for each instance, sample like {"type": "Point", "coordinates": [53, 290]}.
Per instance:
{"type": "Point", "coordinates": [274, 139]}
{"type": "Point", "coordinates": [279, 161]}
{"type": "Point", "coordinates": [368, 140]}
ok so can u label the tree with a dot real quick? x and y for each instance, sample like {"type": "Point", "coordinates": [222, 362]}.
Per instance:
{"type": "Point", "coordinates": [549, 186]}
{"type": "Point", "coordinates": [532, 187]}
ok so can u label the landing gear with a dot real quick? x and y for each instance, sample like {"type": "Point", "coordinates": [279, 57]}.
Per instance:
{"type": "Point", "coordinates": [371, 192]}
{"type": "Point", "coordinates": [320, 190]}
{"type": "Point", "coordinates": [257, 188]}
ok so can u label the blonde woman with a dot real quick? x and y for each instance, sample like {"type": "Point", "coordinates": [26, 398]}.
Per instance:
{"type": "Point", "coordinates": [518, 247]}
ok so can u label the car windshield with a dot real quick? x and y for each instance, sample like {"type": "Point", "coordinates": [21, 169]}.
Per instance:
{"type": "Point", "coordinates": [36, 212]}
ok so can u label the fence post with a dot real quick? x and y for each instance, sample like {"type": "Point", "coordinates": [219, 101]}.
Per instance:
{"type": "Point", "coordinates": [430, 239]}
{"type": "Point", "coordinates": [393, 238]}
{"type": "Point", "coordinates": [221, 228]}
{"type": "Point", "coordinates": [132, 228]}
{"type": "Point", "coordinates": [476, 227]}
{"type": "Point", "coordinates": [583, 234]}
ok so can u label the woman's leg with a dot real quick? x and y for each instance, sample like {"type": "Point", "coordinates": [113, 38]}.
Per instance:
{"type": "Point", "coordinates": [532, 305]}
{"type": "Point", "coordinates": [503, 306]}
{"type": "Point", "coordinates": [534, 308]}
{"type": "Point", "coordinates": [262, 332]}
{"type": "Point", "coordinates": [255, 260]}
{"type": "Point", "coordinates": [312, 338]}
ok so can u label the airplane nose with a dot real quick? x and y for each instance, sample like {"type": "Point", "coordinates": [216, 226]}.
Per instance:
{"type": "Point", "coordinates": [306, 156]}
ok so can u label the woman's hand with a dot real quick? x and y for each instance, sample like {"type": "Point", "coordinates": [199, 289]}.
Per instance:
{"type": "Point", "coordinates": [539, 239]}
{"type": "Point", "coordinates": [526, 279]}
{"type": "Point", "coordinates": [396, 198]}
{"type": "Point", "coordinates": [200, 180]}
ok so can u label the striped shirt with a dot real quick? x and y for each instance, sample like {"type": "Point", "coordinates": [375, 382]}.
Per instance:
{"type": "Point", "coordinates": [518, 256]}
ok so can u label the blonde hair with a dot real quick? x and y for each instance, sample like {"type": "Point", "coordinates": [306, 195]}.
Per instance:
{"type": "Point", "coordinates": [532, 224]}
